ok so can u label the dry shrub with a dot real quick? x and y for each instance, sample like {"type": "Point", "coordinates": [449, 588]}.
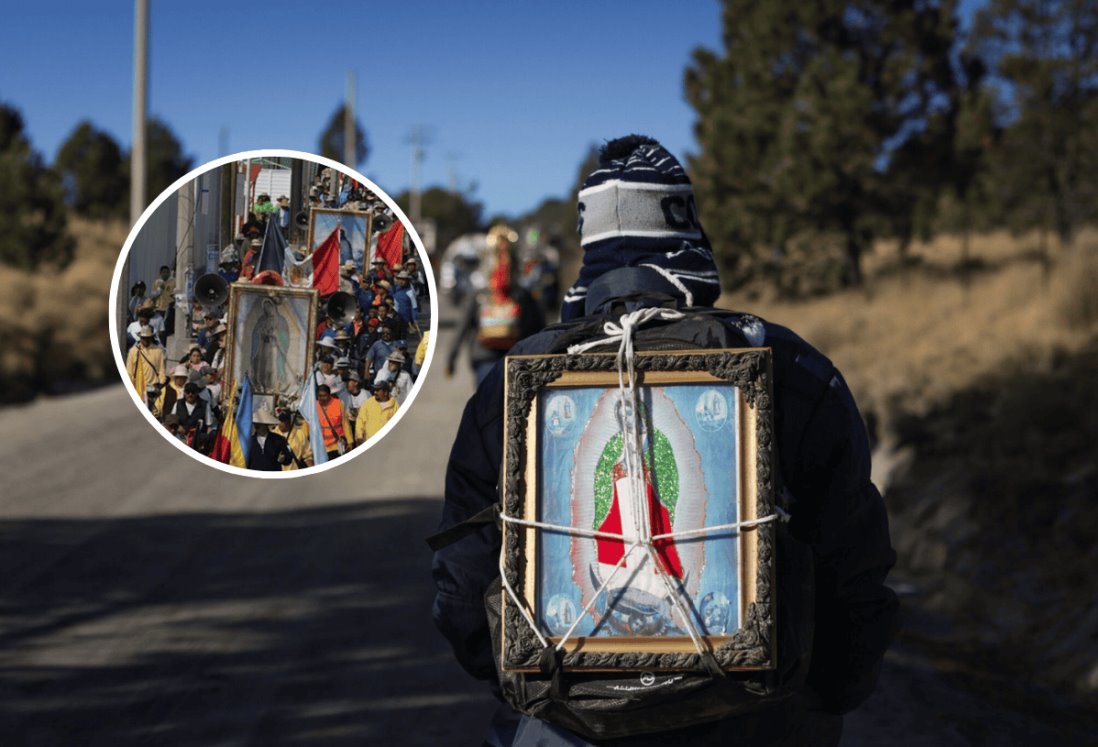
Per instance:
{"type": "Point", "coordinates": [813, 265]}
{"type": "Point", "coordinates": [1076, 286]}
{"type": "Point", "coordinates": [910, 340]}
{"type": "Point", "coordinates": [54, 321]}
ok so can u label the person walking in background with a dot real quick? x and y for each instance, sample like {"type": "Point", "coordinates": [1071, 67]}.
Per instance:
{"type": "Point", "coordinates": [173, 392]}
{"type": "Point", "coordinates": [334, 425]}
{"type": "Point", "coordinates": [145, 363]}
{"type": "Point", "coordinates": [421, 353]}
{"type": "Point", "coordinates": [268, 451]}
{"type": "Point", "coordinates": [353, 398]}
{"type": "Point", "coordinates": [376, 412]}
{"type": "Point", "coordinates": [137, 297]}
{"type": "Point", "coordinates": [498, 317]}
{"type": "Point", "coordinates": [144, 319]}
{"type": "Point", "coordinates": [400, 381]}
{"type": "Point", "coordinates": [163, 297]}
{"type": "Point", "coordinates": [194, 417]}
{"type": "Point", "coordinates": [380, 351]}
{"type": "Point", "coordinates": [296, 432]}
{"type": "Point", "coordinates": [404, 298]}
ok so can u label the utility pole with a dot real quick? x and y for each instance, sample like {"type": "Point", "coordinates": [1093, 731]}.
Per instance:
{"type": "Point", "coordinates": [140, 106]}
{"type": "Point", "coordinates": [414, 203]}
{"type": "Point", "coordinates": [184, 261]}
{"type": "Point", "coordinates": [349, 123]}
{"type": "Point", "coordinates": [451, 171]}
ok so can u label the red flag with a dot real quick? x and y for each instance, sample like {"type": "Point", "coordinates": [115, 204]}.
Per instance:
{"type": "Point", "coordinates": [326, 265]}
{"type": "Point", "coordinates": [221, 451]}
{"type": "Point", "coordinates": [390, 245]}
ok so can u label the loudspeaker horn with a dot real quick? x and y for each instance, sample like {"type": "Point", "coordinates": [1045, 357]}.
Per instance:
{"type": "Point", "coordinates": [382, 223]}
{"type": "Point", "coordinates": [211, 290]}
{"type": "Point", "coordinates": [341, 307]}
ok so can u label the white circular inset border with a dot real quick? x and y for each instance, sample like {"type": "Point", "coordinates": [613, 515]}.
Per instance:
{"type": "Point", "coordinates": [120, 359]}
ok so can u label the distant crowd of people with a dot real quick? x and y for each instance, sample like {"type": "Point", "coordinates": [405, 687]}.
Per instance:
{"type": "Point", "coordinates": [368, 354]}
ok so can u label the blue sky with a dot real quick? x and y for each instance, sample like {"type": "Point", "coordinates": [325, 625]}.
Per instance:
{"type": "Point", "coordinates": [510, 94]}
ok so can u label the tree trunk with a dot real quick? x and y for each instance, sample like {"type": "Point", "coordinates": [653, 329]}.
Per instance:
{"type": "Point", "coordinates": [853, 274]}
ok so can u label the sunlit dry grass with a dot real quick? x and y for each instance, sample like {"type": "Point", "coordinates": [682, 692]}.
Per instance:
{"type": "Point", "coordinates": [915, 335]}
{"type": "Point", "coordinates": [55, 321]}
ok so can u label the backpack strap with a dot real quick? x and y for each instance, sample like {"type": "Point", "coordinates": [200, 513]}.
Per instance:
{"type": "Point", "coordinates": [551, 664]}
{"type": "Point", "coordinates": [461, 530]}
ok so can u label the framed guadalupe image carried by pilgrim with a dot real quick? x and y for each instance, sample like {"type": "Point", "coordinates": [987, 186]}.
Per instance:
{"type": "Point", "coordinates": [341, 224]}
{"type": "Point", "coordinates": [638, 521]}
{"type": "Point", "coordinates": [270, 339]}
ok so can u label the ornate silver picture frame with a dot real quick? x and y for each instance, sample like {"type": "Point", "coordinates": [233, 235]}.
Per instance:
{"type": "Point", "coordinates": [641, 563]}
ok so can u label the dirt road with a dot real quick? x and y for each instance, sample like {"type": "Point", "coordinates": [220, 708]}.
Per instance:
{"type": "Point", "coordinates": [147, 599]}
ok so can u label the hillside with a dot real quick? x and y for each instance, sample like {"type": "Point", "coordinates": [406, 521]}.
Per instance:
{"type": "Point", "coordinates": [979, 393]}
{"type": "Point", "coordinates": [54, 323]}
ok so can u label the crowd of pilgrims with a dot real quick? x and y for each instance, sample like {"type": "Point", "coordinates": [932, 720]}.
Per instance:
{"type": "Point", "coordinates": [363, 371]}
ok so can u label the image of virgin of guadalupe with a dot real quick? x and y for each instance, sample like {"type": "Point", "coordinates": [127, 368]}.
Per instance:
{"type": "Point", "coordinates": [270, 350]}
{"type": "Point", "coordinates": [669, 497]}
{"type": "Point", "coordinates": [634, 506]}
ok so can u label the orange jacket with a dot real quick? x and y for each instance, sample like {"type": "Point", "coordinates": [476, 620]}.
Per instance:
{"type": "Point", "coordinates": [334, 424]}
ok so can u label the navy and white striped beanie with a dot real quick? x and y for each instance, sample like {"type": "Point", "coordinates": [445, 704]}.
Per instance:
{"type": "Point", "coordinates": [637, 210]}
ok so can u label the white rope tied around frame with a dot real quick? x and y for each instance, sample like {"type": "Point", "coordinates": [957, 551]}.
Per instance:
{"type": "Point", "coordinates": [622, 332]}
{"type": "Point", "coordinates": [595, 534]}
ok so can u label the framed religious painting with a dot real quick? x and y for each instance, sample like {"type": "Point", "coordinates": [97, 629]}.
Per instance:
{"type": "Point", "coordinates": [351, 228]}
{"type": "Point", "coordinates": [270, 338]}
{"type": "Point", "coordinates": [638, 521]}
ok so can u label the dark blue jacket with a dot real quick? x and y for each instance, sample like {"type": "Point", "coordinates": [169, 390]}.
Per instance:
{"type": "Point", "coordinates": [824, 464]}
{"type": "Point", "coordinates": [404, 307]}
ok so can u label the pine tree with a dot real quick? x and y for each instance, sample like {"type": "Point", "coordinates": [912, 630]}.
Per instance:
{"type": "Point", "coordinates": [93, 173]}
{"type": "Point", "coordinates": [331, 139]}
{"type": "Point", "coordinates": [32, 223]}
{"type": "Point", "coordinates": [800, 120]}
{"type": "Point", "coordinates": [1043, 59]}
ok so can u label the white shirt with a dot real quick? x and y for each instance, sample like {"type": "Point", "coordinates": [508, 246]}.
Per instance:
{"type": "Point", "coordinates": [156, 323]}
{"type": "Point", "coordinates": [401, 383]}
{"type": "Point", "coordinates": [354, 401]}
{"type": "Point", "coordinates": [335, 384]}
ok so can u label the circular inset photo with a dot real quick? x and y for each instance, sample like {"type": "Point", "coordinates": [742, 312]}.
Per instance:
{"type": "Point", "coordinates": [272, 313]}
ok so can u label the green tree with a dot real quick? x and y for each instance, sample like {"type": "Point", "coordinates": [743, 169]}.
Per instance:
{"type": "Point", "coordinates": [93, 173]}
{"type": "Point", "coordinates": [801, 117]}
{"type": "Point", "coordinates": [331, 139]}
{"type": "Point", "coordinates": [974, 136]}
{"type": "Point", "coordinates": [1043, 60]}
{"type": "Point", "coordinates": [32, 223]}
{"type": "Point", "coordinates": [454, 213]}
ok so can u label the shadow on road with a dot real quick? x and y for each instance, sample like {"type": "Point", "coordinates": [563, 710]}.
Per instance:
{"type": "Point", "coordinates": [308, 626]}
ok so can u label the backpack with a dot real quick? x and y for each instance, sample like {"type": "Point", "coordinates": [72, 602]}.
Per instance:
{"type": "Point", "coordinates": [499, 327]}
{"type": "Point", "coordinates": [613, 704]}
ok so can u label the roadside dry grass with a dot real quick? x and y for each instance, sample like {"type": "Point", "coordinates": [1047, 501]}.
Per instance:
{"type": "Point", "coordinates": [54, 323]}
{"type": "Point", "coordinates": [921, 331]}
{"type": "Point", "coordinates": [980, 372]}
